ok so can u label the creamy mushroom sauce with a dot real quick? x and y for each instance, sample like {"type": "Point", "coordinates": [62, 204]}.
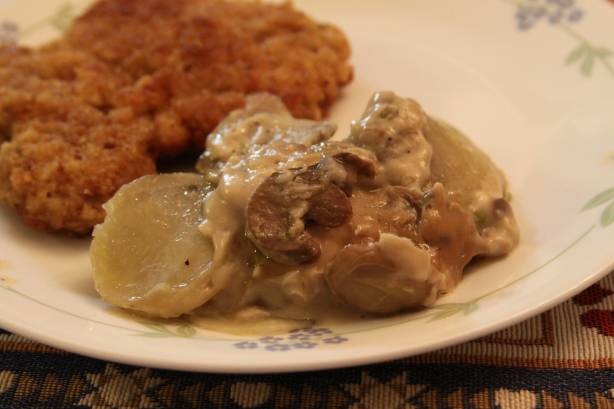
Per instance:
{"type": "Point", "coordinates": [304, 229]}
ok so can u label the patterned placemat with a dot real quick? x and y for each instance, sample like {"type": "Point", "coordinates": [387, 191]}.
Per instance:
{"type": "Point", "coordinates": [561, 359]}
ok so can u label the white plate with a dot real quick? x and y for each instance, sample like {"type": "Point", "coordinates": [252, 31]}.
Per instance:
{"type": "Point", "coordinates": [532, 97]}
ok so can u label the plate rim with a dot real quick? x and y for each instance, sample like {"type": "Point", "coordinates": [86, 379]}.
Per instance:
{"type": "Point", "coordinates": [108, 354]}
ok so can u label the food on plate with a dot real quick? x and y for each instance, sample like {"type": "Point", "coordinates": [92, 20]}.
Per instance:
{"type": "Point", "coordinates": [171, 270]}
{"type": "Point", "coordinates": [132, 81]}
{"type": "Point", "coordinates": [294, 227]}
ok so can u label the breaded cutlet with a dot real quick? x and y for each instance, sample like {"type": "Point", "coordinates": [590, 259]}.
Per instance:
{"type": "Point", "coordinates": [134, 80]}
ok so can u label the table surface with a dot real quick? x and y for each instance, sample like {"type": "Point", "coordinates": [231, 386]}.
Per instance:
{"type": "Point", "coordinates": [563, 358]}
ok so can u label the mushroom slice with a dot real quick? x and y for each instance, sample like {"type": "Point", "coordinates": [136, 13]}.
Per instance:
{"type": "Point", "coordinates": [391, 209]}
{"type": "Point", "coordinates": [359, 159]}
{"type": "Point", "coordinates": [384, 277]}
{"type": "Point", "coordinates": [330, 207]}
{"type": "Point", "coordinates": [277, 210]}
{"type": "Point", "coordinates": [149, 255]}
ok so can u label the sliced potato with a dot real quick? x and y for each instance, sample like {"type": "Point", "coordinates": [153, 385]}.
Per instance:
{"type": "Point", "coordinates": [474, 181]}
{"type": "Point", "coordinates": [461, 166]}
{"type": "Point", "coordinates": [149, 255]}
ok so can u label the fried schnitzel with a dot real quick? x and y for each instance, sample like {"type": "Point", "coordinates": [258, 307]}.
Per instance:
{"type": "Point", "coordinates": [134, 80]}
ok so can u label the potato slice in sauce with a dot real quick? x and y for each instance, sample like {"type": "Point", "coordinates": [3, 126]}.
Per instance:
{"type": "Point", "coordinates": [148, 255]}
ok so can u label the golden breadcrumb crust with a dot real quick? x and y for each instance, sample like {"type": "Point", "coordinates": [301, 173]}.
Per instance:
{"type": "Point", "coordinates": [133, 80]}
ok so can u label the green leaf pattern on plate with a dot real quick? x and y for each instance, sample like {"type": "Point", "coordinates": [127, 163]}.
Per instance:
{"type": "Point", "coordinates": [607, 215]}
{"type": "Point", "coordinates": [587, 54]}
{"type": "Point", "coordinates": [600, 199]}
{"type": "Point", "coordinates": [564, 15]}
{"type": "Point", "coordinates": [442, 311]}
{"type": "Point", "coordinates": [159, 330]}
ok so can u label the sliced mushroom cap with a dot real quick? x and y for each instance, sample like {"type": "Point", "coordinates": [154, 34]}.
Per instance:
{"type": "Point", "coordinates": [391, 209]}
{"type": "Point", "coordinates": [330, 207]}
{"type": "Point", "coordinates": [361, 160]}
{"type": "Point", "coordinates": [384, 277]}
{"type": "Point", "coordinates": [277, 210]}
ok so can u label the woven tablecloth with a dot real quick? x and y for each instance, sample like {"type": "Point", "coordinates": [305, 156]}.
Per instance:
{"type": "Point", "coordinates": [563, 358]}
